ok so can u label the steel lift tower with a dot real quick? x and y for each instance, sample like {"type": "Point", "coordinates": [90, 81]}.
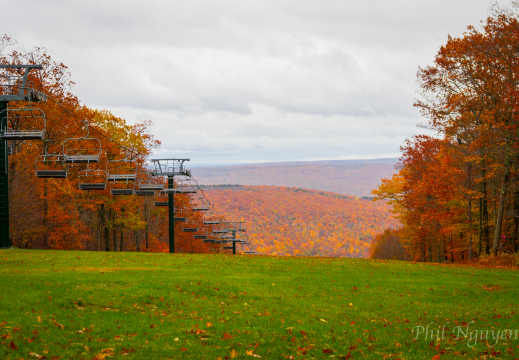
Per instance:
{"type": "Point", "coordinates": [14, 86]}
{"type": "Point", "coordinates": [170, 168]}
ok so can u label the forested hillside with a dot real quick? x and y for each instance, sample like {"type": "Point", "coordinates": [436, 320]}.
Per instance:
{"type": "Point", "coordinates": [348, 177]}
{"type": "Point", "coordinates": [292, 221]}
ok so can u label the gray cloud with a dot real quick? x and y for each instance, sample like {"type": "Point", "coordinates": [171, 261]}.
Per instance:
{"type": "Point", "coordinates": [261, 80]}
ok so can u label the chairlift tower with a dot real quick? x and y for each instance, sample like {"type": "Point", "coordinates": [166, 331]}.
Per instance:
{"type": "Point", "coordinates": [13, 87]}
{"type": "Point", "coordinates": [170, 168]}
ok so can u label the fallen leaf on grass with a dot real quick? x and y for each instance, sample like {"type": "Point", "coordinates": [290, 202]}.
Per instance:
{"type": "Point", "coordinates": [251, 353]}
{"type": "Point", "coordinates": [327, 351]}
{"type": "Point", "coordinates": [13, 346]}
{"type": "Point", "coordinates": [347, 356]}
{"type": "Point", "coordinates": [323, 320]}
{"type": "Point", "coordinates": [227, 336]}
{"type": "Point", "coordinates": [57, 324]}
{"type": "Point", "coordinates": [104, 353]}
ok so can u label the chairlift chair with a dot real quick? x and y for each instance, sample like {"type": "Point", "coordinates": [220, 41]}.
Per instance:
{"type": "Point", "coordinates": [51, 166]}
{"type": "Point", "coordinates": [23, 124]}
{"type": "Point", "coordinates": [144, 192]}
{"type": "Point", "coordinates": [211, 222]}
{"type": "Point", "coordinates": [83, 150]}
{"type": "Point", "coordinates": [201, 204]}
{"type": "Point", "coordinates": [120, 188]}
{"type": "Point", "coordinates": [182, 187]}
{"type": "Point", "coordinates": [161, 199]}
{"type": "Point", "coordinates": [147, 182]}
{"type": "Point", "coordinates": [190, 226]}
{"type": "Point", "coordinates": [122, 170]}
{"type": "Point", "coordinates": [92, 179]}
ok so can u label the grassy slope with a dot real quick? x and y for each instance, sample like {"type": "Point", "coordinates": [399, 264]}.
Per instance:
{"type": "Point", "coordinates": [150, 306]}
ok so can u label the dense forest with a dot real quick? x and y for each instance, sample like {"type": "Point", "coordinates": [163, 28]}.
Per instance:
{"type": "Point", "coordinates": [300, 222]}
{"type": "Point", "coordinates": [457, 192]}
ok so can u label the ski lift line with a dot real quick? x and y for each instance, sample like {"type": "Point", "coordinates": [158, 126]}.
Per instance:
{"type": "Point", "coordinates": [99, 186]}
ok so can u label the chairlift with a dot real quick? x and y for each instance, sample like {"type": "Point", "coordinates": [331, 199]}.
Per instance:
{"type": "Point", "coordinates": [201, 204]}
{"type": "Point", "coordinates": [23, 124]}
{"type": "Point", "coordinates": [144, 192]}
{"type": "Point", "coordinates": [148, 183]}
{"type": "Point", "coordinates": [161, 199]}
{"type": "Point", "coordinates": [211, 222]}
{"type": "Point", "coordinates": [190, 226]}
{"type": "Point", "coordinates": [120, 188]}
{"type": "Point", "coordinates": [122, 170]}
{"type": "Point", "coordinates": [92, 179]}
{"type": "Point", "coordinates": [182, 187]}
{"type": "Point", "coordinates": [82, 150]}
{"type": "Point", "coordinates": [51, 166]}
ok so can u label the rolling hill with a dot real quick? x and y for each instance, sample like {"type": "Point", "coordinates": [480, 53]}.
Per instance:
{"type": "Point", "coordinates": [347, 177]}
{"type": "Point", "coordinates": [293, 221]}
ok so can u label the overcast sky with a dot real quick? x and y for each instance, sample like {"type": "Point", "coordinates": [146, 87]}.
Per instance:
{"type": "Point", "coordinates": [250, 81]}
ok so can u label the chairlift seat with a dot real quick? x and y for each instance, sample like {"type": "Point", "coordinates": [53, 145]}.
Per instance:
{"type": "Point", "coordinates": [82, 159]}
{"type": "Point", "coordinates": [190, 229]}
{"type": "Point", "coordinates": [161, 203]}
{"type": "Point", "coordinates": [121, 177]}
{"type": "Point", "coordinates": [121, 191]}
{"type": "Point", "coordinates": [51, 174]}
{"type": "Point", "coordinates": [200, 237]}
{"type": "Point", "coordinates": [179, 219]}
{"type": "Point", "coordinates": [210, 241]}
{"type": "Point", "coordinates": [92, 186]}
{"type": "Point", "coordinates": [152, 187]}
{"type": "Point", "coordinates": [203, 208]}
{"type": "Point", "coordinates": [144, 192]}
{"type": "Point", "coordinates": [22, 135]}
{"type": "Point", "coordinates": [211, 222]}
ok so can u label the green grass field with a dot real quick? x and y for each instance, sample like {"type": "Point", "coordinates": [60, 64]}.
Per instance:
{"type": "Point", "coordinates": [65, 304]}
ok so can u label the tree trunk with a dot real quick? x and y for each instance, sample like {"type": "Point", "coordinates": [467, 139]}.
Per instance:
{"type": "Point", "coordinates": [500, 211]}
{"type": "Point", "coordinates": [122, 240]}
{"type": "Point", "coordinates": [114, 230]}
{"type": "Point", "coordinates": [470, 209]}
{"type": "Point", "coordinates": [485, 236]}
{"type": "Point", "coordinates": [146, 227]}
{"type": "Point", "coordinates": [106, 229]}
{"type": "Point", "coordinates": [502, 195]}
{"type": "Point", "coordinates": [45, 214]}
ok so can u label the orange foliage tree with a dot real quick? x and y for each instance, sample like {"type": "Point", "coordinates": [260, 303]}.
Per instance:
{"type": "Point", "coordinates": [458, 194]}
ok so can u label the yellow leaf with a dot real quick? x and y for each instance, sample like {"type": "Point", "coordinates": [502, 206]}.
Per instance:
{"type": "Point", "coordinates": [234, 354]}
{"type": "Point", "coordinates": [324, 320]}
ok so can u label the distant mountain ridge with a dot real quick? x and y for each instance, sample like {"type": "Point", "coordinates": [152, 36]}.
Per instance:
{"type": "Point", "coordinates": [347, 177]}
